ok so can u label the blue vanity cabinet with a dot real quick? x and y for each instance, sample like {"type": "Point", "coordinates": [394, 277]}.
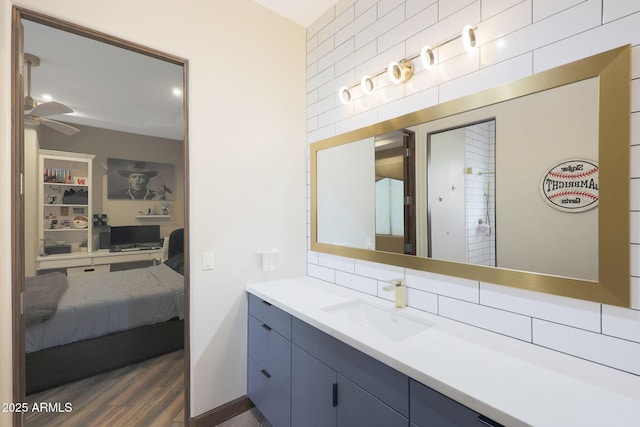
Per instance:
{"type": "Point", "coordinates": [430, 408]}
{"type": "Point", "coordinates": [269, 361]}
{"type": "Point", "coordinates": [334, 384]}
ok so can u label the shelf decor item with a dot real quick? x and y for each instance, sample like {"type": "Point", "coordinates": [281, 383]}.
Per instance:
{"type": "Point", "coordinates": [64, 203]}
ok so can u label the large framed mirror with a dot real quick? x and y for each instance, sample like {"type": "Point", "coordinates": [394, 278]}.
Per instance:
{"type": "Point", "coordinates": [477, 197]}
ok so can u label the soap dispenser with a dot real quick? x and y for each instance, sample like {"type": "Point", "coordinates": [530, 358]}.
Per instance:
{"type": "Point", "coordinates": [400, 288]}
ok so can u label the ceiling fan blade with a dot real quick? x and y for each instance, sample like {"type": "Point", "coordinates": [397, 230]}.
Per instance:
{"type": "Point", "coordinates": [49, 109]}
{"type": "Point", "coordinates": [60, 127]}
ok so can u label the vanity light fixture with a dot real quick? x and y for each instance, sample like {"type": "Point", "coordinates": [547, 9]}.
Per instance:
{"type": "Point", "coordinates": [402, 71]}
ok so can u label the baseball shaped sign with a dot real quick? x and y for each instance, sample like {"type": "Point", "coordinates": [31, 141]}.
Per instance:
{"type": "Point", "coordinates": [571, 186]}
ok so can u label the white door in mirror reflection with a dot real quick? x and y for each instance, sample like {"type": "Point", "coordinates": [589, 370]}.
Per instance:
{"type": "Point", "coordinates": [461, 199]}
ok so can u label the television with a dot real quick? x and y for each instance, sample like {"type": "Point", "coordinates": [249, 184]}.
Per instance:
{"type": "Point", "coordinates": [131, 237]}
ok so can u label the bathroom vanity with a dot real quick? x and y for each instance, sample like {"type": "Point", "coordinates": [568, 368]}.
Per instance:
{"type": "Point", "coordinates": [321, 355]}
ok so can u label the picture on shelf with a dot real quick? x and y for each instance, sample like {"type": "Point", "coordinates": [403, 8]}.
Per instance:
{"type": "Point", "coordinates": [64, 210]}
{"type": "Point", "coordinates": [140, 180]}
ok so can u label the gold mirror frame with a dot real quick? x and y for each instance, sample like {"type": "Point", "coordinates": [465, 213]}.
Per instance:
{"type": "Point", "coordinates": [613, 68]}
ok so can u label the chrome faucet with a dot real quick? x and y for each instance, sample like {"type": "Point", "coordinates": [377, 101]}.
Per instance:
{"type": "Point", "coordinates": [400, 287]}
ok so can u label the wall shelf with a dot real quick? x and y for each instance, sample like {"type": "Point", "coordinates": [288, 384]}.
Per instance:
{"type": "Point", "coordinates": [153, 216]}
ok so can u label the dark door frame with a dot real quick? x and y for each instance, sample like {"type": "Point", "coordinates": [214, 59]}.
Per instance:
{"type": "Point", "coordinates": [17, 176]}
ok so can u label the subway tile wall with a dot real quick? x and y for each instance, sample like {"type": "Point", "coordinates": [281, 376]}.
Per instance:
{"type": "Point", "coordinates": [516, 38]}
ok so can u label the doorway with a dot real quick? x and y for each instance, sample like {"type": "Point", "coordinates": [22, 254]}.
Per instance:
{"type": "Point", "coordinates": [27, 245]}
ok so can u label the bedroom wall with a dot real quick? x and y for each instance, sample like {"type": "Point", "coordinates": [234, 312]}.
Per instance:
{"type": "Point", "coordinates": [243, 197]}
{"type": "Point", "coordinates": [107, 144]}
{"type": "Point", "coordinates": [517, 38]}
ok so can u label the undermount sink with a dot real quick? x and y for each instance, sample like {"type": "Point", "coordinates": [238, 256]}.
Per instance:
{"type": "Point", "coordinates": [389, 322]}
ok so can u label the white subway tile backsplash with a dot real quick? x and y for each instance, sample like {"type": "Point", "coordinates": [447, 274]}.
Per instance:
{"type": "Point", "coordinates": [408, 104]}
{"type": "Point", "coordinates": [358, 24]}
{"type": "Point", "coordinates": [498, 26]}
{"type": "Point", "coordinates": [454, 287]}
{"type": "Point", "coordinates": [381, 26]}
{"type": "Point", "coordinates": [343, 5]}
{"type": "Point", "coordinates": [357, 283]}
{"type": "Point", "coordinates": [635, 161]}
{"type": "Point", "coordinates": [583, 44]}
{"type": "Point", "coordinates": [312, 257]}
{"type": "Point", "coordinates": [635, 62]}
{"type": "Point", "coordinates": [634, 254]}
{"type": "Point", "coordinates": [415, 6]}
{"type": "Point", "coordinates": [487, 77]}
{"type": "Point", "coordinates": [609, 351]}
{"type": "Point", "coordinates": [409, 28]}
{"type": "Point", "coordinates": [336, 262]}
{"type": "Point", "coordinates": [322, 273]}
{"type": "Point", "coordinates": [321, 133]}
{"type": "Point", "coordinates": [502, 322]}
{"type": "Point", "coordinates": [379, 271]}
{"type": "Point", "coordinates": [321, 50]}
{"type": "Point", "coordinates": [320, 79]}
{"type": "Point", "coordinates": [635, 293]}
{"type": "Point", "coordinates": [635, 95]}
{"type": "Point", "coordinates": [635, 141]}
{"type": "Point", "coordinates": [569, 311]}
{"type": "Point", "coordinates": [634, 226]}
{"type": "Point", "coordinates": [359, 61]}
{"type": "Point", "coordinates": [356, 122]}
{"type": "Point", "coordinates": [490, 8]}
{"type": "Point", "coordinates": [448, 8]}
{"type": "Point", "coordinates": [544, 8]}
{"type": "Point", "coordinates": [321, 22]}
{"type": "Point", "coordinates": [425, 301]}
{"type": "Point", "coordinates": [343, 20]}
{"type": "Point", "coordinates": [621, 322]}
{"type": "Point", "coordinates": [386, 6]}
{"type": "Point", "coordinates": [340, 52]}
{"type": "Point", "coordinates": [364, 5]}
{"type": "Point", "coordinates": [635, 194]}
{"type": "Point", "coordinates": [616, 9]}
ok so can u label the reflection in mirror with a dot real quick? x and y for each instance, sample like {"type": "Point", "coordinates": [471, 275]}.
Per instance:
{"type": "Point", "coordinates": [461, 198]}
{"type": "Point", "coordinates": [504, 230]}
{"type": "Point", "coordinates": [395, 192]}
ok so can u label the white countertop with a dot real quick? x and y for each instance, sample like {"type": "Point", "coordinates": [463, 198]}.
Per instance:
{"type": "Point", "coordinates": [510, 381]}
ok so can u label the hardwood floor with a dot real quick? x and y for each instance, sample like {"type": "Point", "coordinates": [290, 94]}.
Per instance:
{"type": "Point", "coordinates": [150, 393]}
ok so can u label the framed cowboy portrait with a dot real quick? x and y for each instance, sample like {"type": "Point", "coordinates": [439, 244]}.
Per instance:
{"type": "Point", "coordinates": [140, 180]}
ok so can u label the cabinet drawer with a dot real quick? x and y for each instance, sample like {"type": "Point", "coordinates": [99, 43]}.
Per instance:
{"type": "Point", "coordinates": [382, 381]}
{"type": "Point", "coordinates": [270, 315]}
{"type": "Point", "coordinates": [430, 408]}
{"type": "Point", "coordinates": [271, 352]}
{"type": "Point", "coordinates": [88, 269]}
{"type": "Point", "coordinates": [269, 398]}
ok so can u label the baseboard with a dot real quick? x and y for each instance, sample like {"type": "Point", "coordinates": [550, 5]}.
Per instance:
{"type": "Point", "coordinates": [222, 413]}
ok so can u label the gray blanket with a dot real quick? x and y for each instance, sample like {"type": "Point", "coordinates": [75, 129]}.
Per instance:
{"type": "Point", "coordinates": [101, 303]}
{"type": "Point", "coordinates": [41, 296]}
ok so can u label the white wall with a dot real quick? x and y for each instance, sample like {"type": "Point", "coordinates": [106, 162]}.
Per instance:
{"type": "Point", "coordinates": [517, 38]}
{"type": "Point", "coordinates": [247, 174]}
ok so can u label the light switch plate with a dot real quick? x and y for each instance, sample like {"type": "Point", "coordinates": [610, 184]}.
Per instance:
{"type": "Point", "coordinates": [208, 260]}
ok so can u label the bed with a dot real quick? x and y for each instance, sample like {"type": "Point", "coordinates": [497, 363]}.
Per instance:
{"type": "Point", "coordinates": [79, 326]}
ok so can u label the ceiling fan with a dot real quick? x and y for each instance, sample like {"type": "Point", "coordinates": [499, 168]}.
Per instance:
{"type": "Point", "coordinates": [36, 114]}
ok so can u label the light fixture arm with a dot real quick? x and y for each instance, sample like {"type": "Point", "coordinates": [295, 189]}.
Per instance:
{"type": "Point", "coordinates": [401, 71]}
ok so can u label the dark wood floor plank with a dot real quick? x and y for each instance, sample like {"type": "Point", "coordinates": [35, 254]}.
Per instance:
{"type": "Point", "coordinates": [145, 394]}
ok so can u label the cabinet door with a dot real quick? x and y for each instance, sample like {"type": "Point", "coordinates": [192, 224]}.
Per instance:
{"type": "Point", "coordinates": [268, 396]}
{"type": "Point", "coordinates": [312, 391]}
{"type": "Point", "coordinates": [430, 408]}
{"type": "Point", "coordinates": [358, 408]}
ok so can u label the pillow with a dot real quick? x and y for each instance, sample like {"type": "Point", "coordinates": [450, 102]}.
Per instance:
{"type": "Point", "coordinates": [42, 295]}
{"type": "Point", "coordinates": [176, 263]}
